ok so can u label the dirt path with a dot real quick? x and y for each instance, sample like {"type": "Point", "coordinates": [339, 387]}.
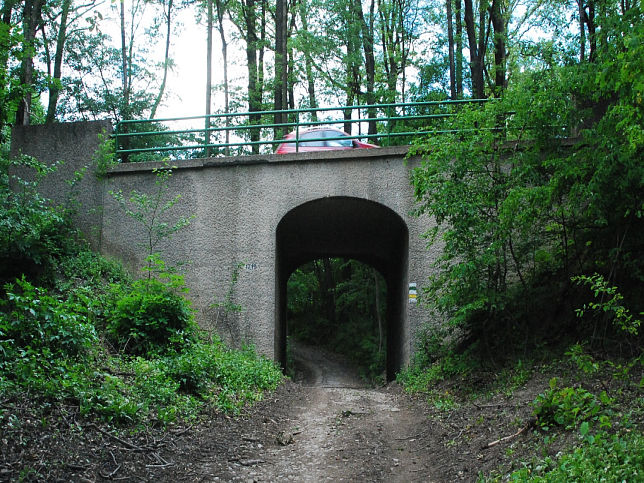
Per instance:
{"type": "Point", "coordinates": [325, 426]}
{"type": "Point", "coordinates": [341, 431]}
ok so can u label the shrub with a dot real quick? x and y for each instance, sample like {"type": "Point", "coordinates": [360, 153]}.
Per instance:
{"type": "Point", "coordinates": [618, 457]}
{"type": "Point", "coordinates": [570, 406]}
{"type": "Point", "coordinates": [33, 322]}
{"type": "Point", "coordinates": [32, 231]}
{"type": "Point", "coordinates": [149, 317]}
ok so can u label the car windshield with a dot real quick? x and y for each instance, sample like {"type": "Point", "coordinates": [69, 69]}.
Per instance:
{"type": "Point", "coordinates": [317, 139]}
{"type": "Point", "coordinates": [344, 143]}
{"type": "Point", "coordinates": [316, 135]}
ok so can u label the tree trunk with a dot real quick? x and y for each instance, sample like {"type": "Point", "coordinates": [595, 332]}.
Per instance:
{"type": "Point", "coordinates": [308, 65]}
{"type": "Point", "coordinates": [353, 79]}
{"type": "Point", "coordinates": [459, 50]}
{"type": "Point", "coordinates": [254, 100]}
{"type": "Point", "coordinates": [5, 47]}
{"type": "Point", "coordinates": [477, 49]}
{"type": "Point", "coordinates": [209, 27]}
{"type": "Point", "coordinates": [31, 18]}
{"type": "Point", "coordinates": [377, 303]}
{"type": "Point", "coordinates": [54, 89]}
{"type": "Point", "coordinates": [582, 31]}
{"type": "Point", "coordinates": [370, 61]}
{"type": "Point", "coordinates": [125, 111]}
{"type": "Point", "coordinates": [166, 58]}
{"type": "Point", "coordinates": [329, 291]}
{"type": "Point", "coordinates": [281, 67]}
{"type": "Point", "coordinates": [499, 42]}
{"type": "Point", "coordinates": [450, 45]}
{"type": "Point", "coordinates": [224, 55]}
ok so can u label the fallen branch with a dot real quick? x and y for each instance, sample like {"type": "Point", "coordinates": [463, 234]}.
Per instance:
{"type": "Point", "coordinates": [109, 477]}
{"type": "Point", "coordinates": [166, 465]}
{"type": "Point", "coordinates": [487, 406]}
{"type": "Point", "coordinates": [116, 438]}
{"type": "Point", "coordinates": [246, 462]}
{"type": "Point", "coordinates": [507, 438]}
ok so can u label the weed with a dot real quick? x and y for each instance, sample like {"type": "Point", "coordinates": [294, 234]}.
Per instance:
{"type": "Point", "coordinates": [568, 407]}
{"type": "Point", "coordinates": [618, 457]}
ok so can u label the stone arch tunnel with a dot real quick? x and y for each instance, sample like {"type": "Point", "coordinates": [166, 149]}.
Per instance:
{"type": "Point", "coordinates": [345, 227]}
{"type": "Point", "coordinates": [265, 213]}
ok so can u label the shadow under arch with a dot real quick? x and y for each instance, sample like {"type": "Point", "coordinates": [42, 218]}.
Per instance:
{"type": "Point", "coordinates": [352, 228]}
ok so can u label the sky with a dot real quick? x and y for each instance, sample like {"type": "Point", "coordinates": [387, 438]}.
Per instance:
{"type": "Point", "coordinates": [186, 85]}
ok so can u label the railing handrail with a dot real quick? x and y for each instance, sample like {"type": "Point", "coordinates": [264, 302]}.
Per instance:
{"type": "Point", "coordinates": [295, 123]}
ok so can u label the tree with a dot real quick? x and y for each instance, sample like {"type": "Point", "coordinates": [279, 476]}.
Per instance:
{"type": "Point", "coordinates": [31, 18]}
{"type": "Point", "coordinates": [399, 21]}
{"type": "Point", "coordinates": [246, 18]}
{"type": "Point", "coordinates": [167, 14]}
{"type": "Point", "coordinates": [54, 89]}
{"type": "Point", "coordinates": [281, 65]}
{"type": "Point", "coordinates": [532, 213]}
{"type": "Point", "coordinates": [308, 57]}
{"type": "Point", "coordinates": [209, 26]}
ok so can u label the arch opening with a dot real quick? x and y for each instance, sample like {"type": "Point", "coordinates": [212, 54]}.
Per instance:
{"type": "Point", "coordinates": [350, 228]}
{"type": "Point", "coordinates": [336, 306]}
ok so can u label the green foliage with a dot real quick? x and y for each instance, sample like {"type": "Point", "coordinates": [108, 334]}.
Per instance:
{"type": "Point", "coordinates": [421, 377]}
{"type": "Point", "coordinates": [569, 406]}
{"type": "Point", "coordinates": [610, 303]}
{"type": "Point", "coordinates": [151, 211]}
{"type": "Point", "coordinates": [50, 348]}
{"type": "Point", "coordinates": [35, 324]}
{"type": "Point", "coordinates": [582, 360]}
{"type": "Point", "coordinates": [616, 457]}
{"type": "Point", "coordinates": [520, 211]}
{"type": "Point", "coordinates": [52, 337]}
{"type": "Point", "coordinates": [341, 304]}
{"type": "Point", "coordinates": [177, 386]}
{"type": "Point", "coordinates": [105, 156]}
{"type": "Point", "coordinates": [33, 233]}
{"type": "Point", "coordinates": [149, 317]}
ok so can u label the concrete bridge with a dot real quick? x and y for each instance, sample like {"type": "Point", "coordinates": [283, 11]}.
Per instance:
{"type": "Point", "coordinates": [265, 214]}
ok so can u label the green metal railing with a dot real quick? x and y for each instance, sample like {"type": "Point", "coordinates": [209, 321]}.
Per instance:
{"type": "Point", "coordinates": [257, 132]}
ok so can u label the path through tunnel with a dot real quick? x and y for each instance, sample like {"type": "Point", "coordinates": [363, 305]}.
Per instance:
{"type": "Point", "coordinates": [349, 228]}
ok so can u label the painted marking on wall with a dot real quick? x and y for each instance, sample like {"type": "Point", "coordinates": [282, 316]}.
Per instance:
{"type": "Point", "coordinates": [413, 293]}
{"type": "Point", "coordinates": [251, 266]}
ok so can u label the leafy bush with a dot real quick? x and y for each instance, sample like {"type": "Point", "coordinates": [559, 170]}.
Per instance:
{"type": "Point", "coordinates": [179, 385]}
{"type": "Point", "coordinates": [35, 323]}
{"type": "Point", "coordinates": [532, 198]}
{"type": "Point", "coordinates": [617, 457]}
{"type": "Point", "coordinates": [51, 337]}
{"type": "Point", "coordinates": [569, 406]}
{"type": "Point", "coordinates": [420, 377]}
{"type": "Point", "coordinates": [149, 317]}
{"type": "Point", "coordinates": [33, 233]}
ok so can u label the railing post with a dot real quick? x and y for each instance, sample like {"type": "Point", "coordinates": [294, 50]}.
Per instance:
{"type": "Point", "coordinates": [207, 136]}
{"type": "Point", "coordinates": [297, 132]}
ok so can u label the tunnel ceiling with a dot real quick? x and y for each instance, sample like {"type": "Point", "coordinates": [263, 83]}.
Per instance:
{"type": "Point", "coordinates": [342, 226]}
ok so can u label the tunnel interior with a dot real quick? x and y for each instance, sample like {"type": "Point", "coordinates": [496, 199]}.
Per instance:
{"type": "Point", "coordinates": [351, 228]}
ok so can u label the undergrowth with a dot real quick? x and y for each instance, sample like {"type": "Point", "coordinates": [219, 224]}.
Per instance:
{"type": "Point", "coordinates": [590, 406]}
{"type": "Point", "coordinates": [77, 331]}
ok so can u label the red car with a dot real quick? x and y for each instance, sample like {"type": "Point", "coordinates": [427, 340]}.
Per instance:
{"type": "Point", "coordinates": [320, 139]}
